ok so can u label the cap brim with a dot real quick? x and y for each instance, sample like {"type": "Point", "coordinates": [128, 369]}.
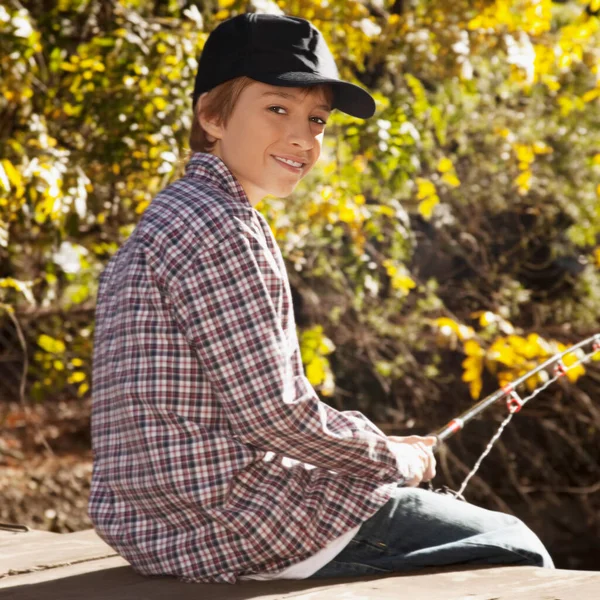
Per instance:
{"type": "Point", "coordinates": [349, 98]}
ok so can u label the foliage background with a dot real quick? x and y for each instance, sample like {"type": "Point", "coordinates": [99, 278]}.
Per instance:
{"type": "Point", "coordinates": [439, 250]}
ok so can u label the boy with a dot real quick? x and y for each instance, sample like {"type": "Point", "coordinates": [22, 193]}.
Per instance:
{"type": "Point", "coordinates": [214, 459]}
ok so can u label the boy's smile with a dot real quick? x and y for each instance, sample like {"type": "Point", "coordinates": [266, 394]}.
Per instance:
{"type": "Point", "coordinates": [290, 163]}
{"type": "Point", "coordinates": [273, 137]}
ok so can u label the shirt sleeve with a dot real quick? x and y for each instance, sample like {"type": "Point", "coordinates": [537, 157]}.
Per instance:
{"type": "Point", "coordinates": [224, 306]}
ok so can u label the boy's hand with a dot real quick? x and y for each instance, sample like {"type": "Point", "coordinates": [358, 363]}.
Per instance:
{"type": "Point", "coordinates": [416, 452]}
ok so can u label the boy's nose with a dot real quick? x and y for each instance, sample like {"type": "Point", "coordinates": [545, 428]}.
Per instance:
{"type": "Point", "coordinates": [302, 136]}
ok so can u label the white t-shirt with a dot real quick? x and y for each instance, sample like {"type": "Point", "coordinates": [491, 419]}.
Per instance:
{"type": "Point", "coordinates": [312, 564]}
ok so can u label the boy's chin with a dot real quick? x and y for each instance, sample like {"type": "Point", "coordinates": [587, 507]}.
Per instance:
{"type": "Point", "coordinates": [283, 191]}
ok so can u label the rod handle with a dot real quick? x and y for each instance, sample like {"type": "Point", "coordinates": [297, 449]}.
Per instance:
{"type": "Point", "coordinates": [447, 431]}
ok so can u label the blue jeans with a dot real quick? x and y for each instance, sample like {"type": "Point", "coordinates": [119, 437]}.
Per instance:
{"type": "Point", "coordinates": [419, 528]}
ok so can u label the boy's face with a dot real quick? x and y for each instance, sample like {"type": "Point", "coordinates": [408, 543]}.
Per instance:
{"type": "Point", "coordinates": [267, 122]}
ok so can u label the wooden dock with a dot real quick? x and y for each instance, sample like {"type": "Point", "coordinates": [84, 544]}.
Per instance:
{"type": "Point", "coordinates": [38, 565]}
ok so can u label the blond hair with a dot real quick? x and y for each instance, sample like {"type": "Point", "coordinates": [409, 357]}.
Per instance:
{"type": "Point", "coordinates": [220, 102]}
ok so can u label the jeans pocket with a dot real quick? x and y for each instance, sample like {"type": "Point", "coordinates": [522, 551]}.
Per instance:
{"type": "Point", "coordinates": [365, 547]}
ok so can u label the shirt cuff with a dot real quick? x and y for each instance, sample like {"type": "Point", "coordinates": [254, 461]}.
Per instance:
{"type": "Point", "coordinates": [406, 459]}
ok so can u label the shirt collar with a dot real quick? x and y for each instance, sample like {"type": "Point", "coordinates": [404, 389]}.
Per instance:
{"type": "Point", "coordinates": [212, 169]}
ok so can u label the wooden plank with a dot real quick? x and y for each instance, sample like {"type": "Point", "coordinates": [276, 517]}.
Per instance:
{"type": "Point", "coordinates": [21, 551]}
{"type": "Point", "coordinates": [113, 579]}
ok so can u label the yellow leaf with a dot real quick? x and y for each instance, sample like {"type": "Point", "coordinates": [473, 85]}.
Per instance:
{"type": "Point", "coordinates": [524, 153]}
{"type": "Point", "coordinates": [21, 286]}
{"type": "Point", "coordinates": [501, 352]}
{"type": "Point", "coordinates": [523, 181]}
{"type": "Point", "coordinates": [473, 349]}
{"type": "Point", "coordinates": [505, 377]}
{"type": "Point", "coordinates": [77, 377]}
{"type": "Point", "coordinates": [543, 349]}
{"type": "Point", "coordinates": [83, 388]}
{"type": "Point", "coordinates": [385, 210]}
{"type": "Point", "coordinates": [529, 350]}
{"type": "Point", "coordinates": [571, 358]}
{"type": "Point", "coordinates": [315, 371]}
{"type": "Point", "coordinates": [551, 83]}
{"type": "Point", "coordinates": [475, 388]}
{"type": "Point", "coordinates": [160, 103]}
{"type": "Point", "coordinates": [566, 105]}
{"type": "Point", "coordinates": [4, 179]}
{"type": "Point", "coordinates": [403, 282]}
{"type": "Point", "coordinates": [516, 341]}
{"type": "Point", "coordinates": [574, 373]}
{"type": "Point", "coordinates": [13, 175]}
{"type": "Point", "coordinates": [425, 188]}
{"type": "Point", "coordinates": [426, 192]}
{"type": "Point", "coordinates": [67, 66]}
{"type": "Point", "coordinates": [326, 346]}
{"type": "Point", "coordinates": [590, 95]}
{"type": "Point", "coordinates": [58, 365]}
{"type": "Point", "coordinates": [444, 165]}
{"type": "Point", "coordinates": [451, 179]}
{"type": "Point", "coordinates": [426, 207]}
{"type": "Point", "coordinates": [348, 214]}
{"type": "Point", "coordinates": [472, 366]}
{"type": "Point", "coordinates": [9, 282]}
{"type": "Point", "coordinates": [50, 344]}
{"type": "Point", "coordinates": [390, 268]}
{"type": "Point", "coordinates": [141, 207]}
{"type": "Point", "coordinates": [307, 354]}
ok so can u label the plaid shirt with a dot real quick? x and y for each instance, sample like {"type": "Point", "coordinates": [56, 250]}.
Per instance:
{"type": "Point", "coordinates": [213, 455]}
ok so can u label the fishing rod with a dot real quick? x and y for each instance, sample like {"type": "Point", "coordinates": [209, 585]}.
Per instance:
{"type": "Point", "coordinates": [508, 392]}
{"type": "Point", "coordinates": [514, 402]}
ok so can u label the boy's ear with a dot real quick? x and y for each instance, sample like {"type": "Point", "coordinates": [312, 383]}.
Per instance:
{"type": "Point", "coordinates": [210, 125]}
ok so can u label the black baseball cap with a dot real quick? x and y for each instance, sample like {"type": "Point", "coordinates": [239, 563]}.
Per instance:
{"type": "Point", "coordinates": [278, 50]}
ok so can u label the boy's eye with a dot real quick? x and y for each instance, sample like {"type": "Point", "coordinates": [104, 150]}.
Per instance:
{"type": "Point", "coordinates": [275, 109]}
